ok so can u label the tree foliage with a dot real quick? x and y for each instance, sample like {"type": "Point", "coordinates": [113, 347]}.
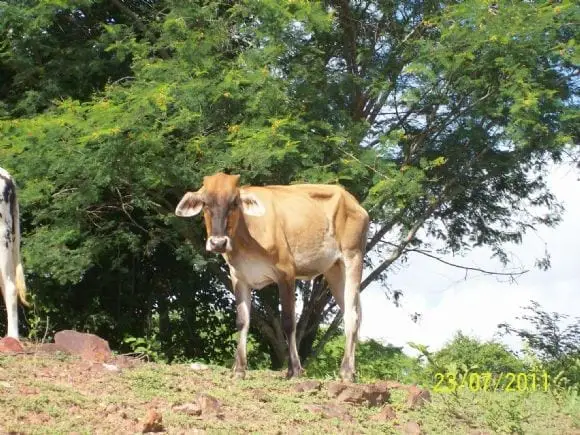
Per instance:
{"type": "Point", "coordinates": [552, 338]}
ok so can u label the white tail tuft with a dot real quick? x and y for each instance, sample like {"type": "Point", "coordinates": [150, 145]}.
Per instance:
{"type": "Point", "coordinates": [20, 280]}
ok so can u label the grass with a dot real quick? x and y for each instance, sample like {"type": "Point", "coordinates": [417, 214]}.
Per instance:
{"type": "Point", "coordinates": [54, 394]}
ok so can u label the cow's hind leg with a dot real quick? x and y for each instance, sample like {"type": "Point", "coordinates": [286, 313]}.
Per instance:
{"type": "Point", "coordinates": [335, 278]}
{"type": "Point", "coordinates": [288, 302]}
{"type": "Point", "coordinates": [353, 262]}
{"type": "Point", "coordinates": [243, 296]}
{"type": "Point", "coordinates": [9, 290]}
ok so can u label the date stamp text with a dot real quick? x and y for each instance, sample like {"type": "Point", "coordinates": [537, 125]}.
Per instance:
{"type": "Point", "coordinates": [487, 381]}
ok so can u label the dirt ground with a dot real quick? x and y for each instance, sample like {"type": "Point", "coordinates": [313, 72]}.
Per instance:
{"type": "Point", "coordinates": [50, 393]}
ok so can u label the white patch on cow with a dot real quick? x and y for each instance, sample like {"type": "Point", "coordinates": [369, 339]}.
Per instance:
{"type": "Point", "coordinates": [251, 204]}
{"type": "Point", "coordinates": [4, 173]}
{"type": "Point", "coordinates": [255, 272]}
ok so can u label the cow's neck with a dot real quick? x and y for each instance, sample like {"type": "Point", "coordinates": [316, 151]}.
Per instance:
{"type": "Point", "coordinates": [243, 243]}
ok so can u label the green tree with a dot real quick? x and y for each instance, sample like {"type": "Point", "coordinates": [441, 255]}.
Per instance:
{"type": "Point", "coordinates": [488, 356]}
{"type": "Point", "coordinates": [458, 120]}
{"type": "Point", "coordinates": [553, 338]}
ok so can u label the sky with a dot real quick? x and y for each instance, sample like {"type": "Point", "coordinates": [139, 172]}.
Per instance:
{"type": "Point", "coordinates": [449, 301]}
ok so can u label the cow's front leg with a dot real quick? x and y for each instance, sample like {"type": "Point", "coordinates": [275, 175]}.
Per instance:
{"type": "Point", "coordinates": [352, 312]}
{"type": "Point", "coordinates": [243, 303]}
{"type": "Point", "coordinates": [288, 302]}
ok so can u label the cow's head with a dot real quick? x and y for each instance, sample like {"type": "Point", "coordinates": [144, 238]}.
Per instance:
{"type": "Point", "coordinates": [223, 203]}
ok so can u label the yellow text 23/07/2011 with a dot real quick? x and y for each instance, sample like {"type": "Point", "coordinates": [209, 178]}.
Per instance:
{"type": "Point", "coordinates": [487, 381]}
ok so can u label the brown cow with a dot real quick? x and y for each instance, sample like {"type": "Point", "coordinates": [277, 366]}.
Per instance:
{"type": "Point", "coordinates": [277, 234]}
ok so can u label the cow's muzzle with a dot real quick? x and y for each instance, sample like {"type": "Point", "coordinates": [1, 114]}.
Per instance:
{"type": "Point", "coordinates": [219, 244]}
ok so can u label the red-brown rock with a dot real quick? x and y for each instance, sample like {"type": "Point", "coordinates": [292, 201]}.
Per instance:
{"type": "Point", "coordinates": [88, 346]}
{"type": "Point", "coordinates": [386, 414]}
{"type": "Point", "coordinates": [376, 394]}
{"type": "Point", "coordinates": [10, 345]}
{"type": "Point", "coordinates": [354, 395]}
{"type": "Point", "coordinates": [330, 411]}
{"type": "Point", "coordinates": [411, 428]}
{"type": "Point", "coordinates": [335, 388]}
{"type": "Point", "coordinates": [208, 404]}
{"type": "Point", "coordinates": [152, 422]}
{"type": "Point", "coordinates": [310, 385]}
{"type": "Point", "coordinates": [188, 408]}
{"type": "Point", "coordinates": [47, 348]}
{"type": "Point", "coordinates": [417, 397]}
{"type": "Point", "coordinates": [204, 405]}
{"type": "Point", "coordinates": [357, 394]}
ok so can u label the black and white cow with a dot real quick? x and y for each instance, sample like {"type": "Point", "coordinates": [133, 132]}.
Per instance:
{"type": "Point", "coordinates": [11, 272]}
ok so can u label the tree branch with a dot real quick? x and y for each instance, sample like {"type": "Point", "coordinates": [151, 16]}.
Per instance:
{"type": "Point", "coordinates": [475, 269]}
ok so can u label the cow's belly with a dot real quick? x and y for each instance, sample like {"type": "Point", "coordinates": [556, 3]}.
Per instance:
{"type": "Point", "coordinates": [254, 272]}
{"type": "Point", "coordinates": [316, 259]}
{"type": "Point", "coordinates": [308, 263]}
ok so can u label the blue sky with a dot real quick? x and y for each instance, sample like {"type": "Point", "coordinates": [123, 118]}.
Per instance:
{"type": "Point", "coordinates": [449, 301]}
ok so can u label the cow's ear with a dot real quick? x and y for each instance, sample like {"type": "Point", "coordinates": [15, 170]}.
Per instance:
{"type": "Point", "coordinates": [251, 204]}
{"type": "Point", "coordinates": [190, 205]}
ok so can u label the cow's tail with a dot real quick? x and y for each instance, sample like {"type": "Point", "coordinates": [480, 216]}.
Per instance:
{"type": "Point", "coordinates": [20, 281]}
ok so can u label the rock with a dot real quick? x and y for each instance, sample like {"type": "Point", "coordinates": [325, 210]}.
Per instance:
{"type": "Point", "coordinates": [27, 391]}
{"type": "Point", "coordinates": [111, 408]}
{"type": "Point", "coordinates": [352, 394]}
{"type": "Point", "coordinates": [416, 397]}
{"type": "Point", "coordinates": [411, 428]}
{"type": "Point", "coordinates": [111, 367]}
{"type": "Point", "coordinates": [392, 384]}
{"type": "Point", "coordinates": [47, 348]}
{"type": "Point", "coordinates": [204, 405]}
{"type": "Point", "coordinates": [208, 404]}
{"type": "Point", "coordinates": [198, 366]}
{"type": "Point", "coordinates": [330, 411]}
{"type": "Point", "coordinates": [304, 386]}
{"type": "Point", "coordinates": [261, 396]}
{"type": "Point", "coordinates": [188, 408]}
{"type": "Point", "coordinates": [358, 394]}
{"type": "Point", "coordinates": [152, 421]}
{"type": "Point", "coordinates": [10, 345]}
{"type": "Point", "coordinates": [376, 394]}
{"type": "Point", "coordinates": [88, 346]}
{"type": "Point", "coordinates": [335, 388]}
{"type": "Point", "coordinates": [386, 414]}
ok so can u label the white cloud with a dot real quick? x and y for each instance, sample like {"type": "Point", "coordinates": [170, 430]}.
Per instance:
{"type": "Point", "coordinates": [448, 302]}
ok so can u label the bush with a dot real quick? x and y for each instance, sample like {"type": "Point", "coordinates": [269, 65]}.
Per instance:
{"type": "Point", "coordinates": [374, 361]}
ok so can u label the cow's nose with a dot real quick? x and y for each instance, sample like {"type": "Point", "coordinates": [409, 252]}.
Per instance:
{"type": "Point", "coordinates": [218, 244]}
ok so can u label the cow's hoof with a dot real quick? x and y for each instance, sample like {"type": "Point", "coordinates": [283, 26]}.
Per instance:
{"type": "Point", "coordinates": [294, 373]}
{"type": "Point", "coordinates": [239, 375]}
{"type": "Point", "coordinates": [347, 376]}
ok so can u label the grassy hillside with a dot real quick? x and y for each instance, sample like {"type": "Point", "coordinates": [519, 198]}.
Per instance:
{"type": "Point", "coordinates": [57, 393]}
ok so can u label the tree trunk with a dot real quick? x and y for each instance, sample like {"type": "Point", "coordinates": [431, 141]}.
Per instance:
{"type": "Point", "coordinates": [165, 326]}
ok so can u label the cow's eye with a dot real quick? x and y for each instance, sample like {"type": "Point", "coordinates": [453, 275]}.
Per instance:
{"type": "Point", "coordinates": [234, 204]}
